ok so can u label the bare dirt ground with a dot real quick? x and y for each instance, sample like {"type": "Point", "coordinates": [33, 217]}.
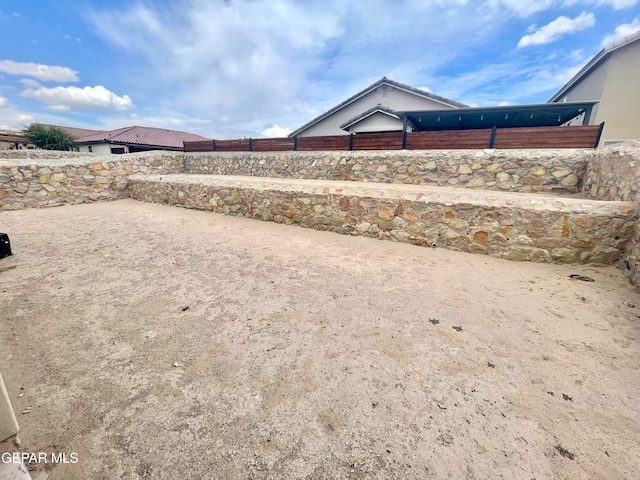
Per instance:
{"type": "Point", "coordinates": [157, 342]}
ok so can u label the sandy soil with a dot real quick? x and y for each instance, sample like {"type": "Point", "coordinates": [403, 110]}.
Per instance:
{"type": "Point", "coordinates": [157, 342]}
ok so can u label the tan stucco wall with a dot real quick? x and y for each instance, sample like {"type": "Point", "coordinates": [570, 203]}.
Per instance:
{"type": "Point", "coordinates": [614, 83]}
{"type": "Point", "coordinates": [620, 101]}
{"type": "Point", "coordinates": [378, 122]}
{"type": "Point", "coordinates": [392, 97]}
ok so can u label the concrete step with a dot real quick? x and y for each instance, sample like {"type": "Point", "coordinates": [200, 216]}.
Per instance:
{"type": "Point", "coordinates": [515, 226]}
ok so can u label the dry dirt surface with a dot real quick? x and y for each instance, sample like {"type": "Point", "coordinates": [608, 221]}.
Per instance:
{"type": "Point", "coordinates": [158, 342]}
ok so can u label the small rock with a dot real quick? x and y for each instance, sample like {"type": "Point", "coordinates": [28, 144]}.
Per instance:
{"type": "Point", "coordinates": [176, 364]}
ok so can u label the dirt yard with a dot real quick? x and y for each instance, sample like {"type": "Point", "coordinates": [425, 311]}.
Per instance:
{"type": "Point", "coordinates": [157, 342]}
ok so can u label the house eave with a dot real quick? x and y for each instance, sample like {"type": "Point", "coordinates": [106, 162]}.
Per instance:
{"type": "Point", "coordinates": [369, 89]}
{"type": "Point", "coordinates": [600, 57]}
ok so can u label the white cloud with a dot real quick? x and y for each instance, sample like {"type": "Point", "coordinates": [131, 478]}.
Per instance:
{"type": "Point", "coordinates": [25, 119]}
{"type": "Point", "coordinates": [557, 28]}
{"type": "Point", "coordinates": [11, 119]}
{"type": "Point", "coordinates": [621, 31]}
{"type": "Point", "coordinates": [616, 4]}
{"type": "Point", "coordinates": [514, 82]}
{"type": "Point", "coordinates": [276, 131]}
{"type": "Point", "coordinates": [240, 58]}
{"type": "Point", "coordinates": [59, 108]}
{"type": "Point", "coordinates": [522, 8]}
{"type": "Point", "coordinates": [87, 97]}
{"type": "Point", "coordinates": [3, 102]}
{"type": "Point", "coordinates": [45, 73]}
{"type": "Point", "coordinates": [29, 83]}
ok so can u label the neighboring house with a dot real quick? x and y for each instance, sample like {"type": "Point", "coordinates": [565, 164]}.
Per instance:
{"type": "Point", "coordinates": [131, 139]}
{"type": "Point", "coordinates": [371, 110]}
{"type": "Point", "coordinates": [13, 140]}
{"type": "Point", "coordinates": [611, 78]}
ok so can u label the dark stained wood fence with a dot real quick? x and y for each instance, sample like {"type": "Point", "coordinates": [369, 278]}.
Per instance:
{"type": "Point", "coordinates": [548, 137]}
{"type": "Point", "coordinates": [243, 145]}
{"type": "Point", "coordinates": [444, 139]}
{"type": "Point", "coordinates": [199, 146]}
{"type": "Point", "coordinates": [538, 137]}
{"type": "Point", "coordinates": [377, 141]}
{"type": "Point", "coordinates": [329, 142]}
{"type": "Point", "coordinates": [273, 144]}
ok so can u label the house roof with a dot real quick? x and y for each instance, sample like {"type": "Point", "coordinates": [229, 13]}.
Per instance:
{"type": "Point", "coordinates": [372, 111]}
{"type": "Point", "coordinates": [594, 62]}
{"type": "Point", "coordinates": [537, 115]}
{"type": "Point", "coordinates": [373, 86]}
{"type": "Point", "coordinates": [12, 136]}
{"type": "Point", "coordinates": [143, 136]}
{"type": "Point", "coordinates": [76, 133]}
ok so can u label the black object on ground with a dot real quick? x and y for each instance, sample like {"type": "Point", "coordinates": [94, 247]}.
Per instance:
{"type": "Point", "coordinates": [5, 245]}
{"type": "Point", "coordinates": [565, 453]}
{"type": "Point", "coordinates": [583, 278]}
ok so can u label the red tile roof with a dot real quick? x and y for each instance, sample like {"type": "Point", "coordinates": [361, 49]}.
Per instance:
{"type": "Point", "coordinates": [144, 136]}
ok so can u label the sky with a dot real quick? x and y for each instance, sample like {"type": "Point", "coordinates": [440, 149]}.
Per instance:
{"type": "Point", "coordinates": [249, 68]}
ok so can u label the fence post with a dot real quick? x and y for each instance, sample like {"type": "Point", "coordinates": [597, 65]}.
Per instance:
{"type": "Point", "coordinates": [295, 143]}
{"type": "Point", "coordinates": [250, 145]}
{"type": "Point", "coordinates": [404, 131]}
{"type": "Point", "coordinates": [492, 139]}
{"type": "Point", "coordinates": [214, 145]}
{"type": "Point", "coordinates": [595, 145]}
{"type": "Point", "coordinates": [350, 142]}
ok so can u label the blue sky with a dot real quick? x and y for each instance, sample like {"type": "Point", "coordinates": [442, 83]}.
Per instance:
{"type": "Point", "coordinates": [227, 69]}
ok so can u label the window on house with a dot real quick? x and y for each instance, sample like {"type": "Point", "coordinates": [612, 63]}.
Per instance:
{"type": "Point", "coordinates": [90, 149]}
{"type": "Point", "coordinates": [117, 150]}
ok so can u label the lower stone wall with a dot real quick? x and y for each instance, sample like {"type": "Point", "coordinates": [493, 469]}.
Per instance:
{"type": "Point", "coordinates": [39, 179]}
{"type": "Point", "coordinates": [506, 170]}
{"type": "Point", "coordinates": [613, 173]}
{"type": "Point", "coordinates": [500, 224]}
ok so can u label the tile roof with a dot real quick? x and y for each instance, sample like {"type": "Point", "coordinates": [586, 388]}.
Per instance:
{"type": "Point", "coordinates": [12, 136]}
{"type": "Point", "coordinates": [373, 86]}
{"type": "Point", "coordinates": [76, 133]}
{"type": "Point", "coordinates": [143, 136]}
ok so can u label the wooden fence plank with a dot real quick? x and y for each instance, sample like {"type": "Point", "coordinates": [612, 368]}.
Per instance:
{"type": "Point", "coordinates": [272, 144]}
{"type": "Point", "coordinates": [330, 142]}
{"type": "Point", "coordinates": [547, 137]}
{"type": "Point", "coordinates": [199, 146]}
{"type": "Point", "coordinates": [446, 139]}
{"type": "Point", "coordinates": [378, 141]}
{"type": "Point", "coordinates": [239, 145]}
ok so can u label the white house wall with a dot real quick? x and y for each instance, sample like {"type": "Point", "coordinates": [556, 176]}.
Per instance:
{"type": "Point", "coordinates": [377, 122]}
{"type": "Point", "coordinates": [101, 148]}
{"type": "Point", "coordinates": [589, 88]}
{"type": "Point", "coordinates": [620, 101]}
{"type": "Point", "coordinates": [391, 97]}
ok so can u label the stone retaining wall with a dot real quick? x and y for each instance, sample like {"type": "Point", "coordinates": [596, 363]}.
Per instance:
{"type": "Point", "coordinates": [613, 173]}
{"type": "Point", "coordinates": [534, 228]}
{"type": "Point", "coordinates": [507, 170]}
{"type": "Point", "coordinates": [38, 179]}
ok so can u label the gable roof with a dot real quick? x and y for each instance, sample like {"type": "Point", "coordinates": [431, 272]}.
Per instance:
{"type": "Point", "coordinates": [373, 86]}
{"type": "Point", "coordinates": [594, 62]}
{"type": "Point", "coordinates": [76, 133]}
{"type": "Point", "coordinates": [143, 136]}
{"type": "Point", "coordinates": [372, 111]}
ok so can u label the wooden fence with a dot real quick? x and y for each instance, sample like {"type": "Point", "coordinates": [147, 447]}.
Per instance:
{"type": "Point", "coordinates": [525, 138]}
